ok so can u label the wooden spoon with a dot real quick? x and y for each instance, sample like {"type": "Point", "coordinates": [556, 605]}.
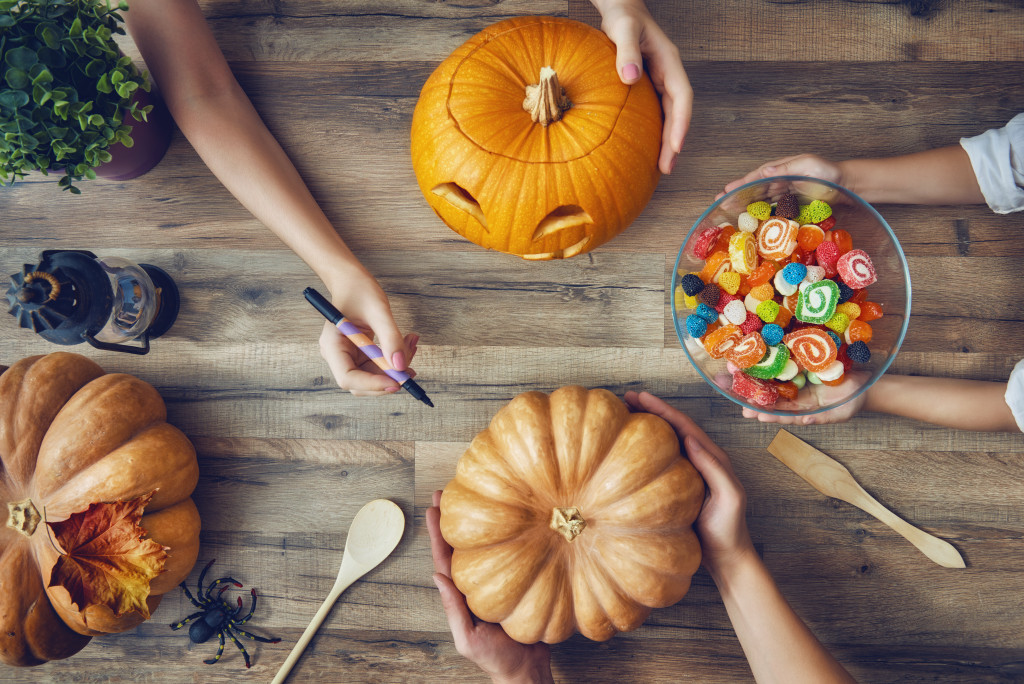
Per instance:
{"type": "Point", "coordinates": [831, 478]}
{"type": "Point", "coordinates": [373, 535]}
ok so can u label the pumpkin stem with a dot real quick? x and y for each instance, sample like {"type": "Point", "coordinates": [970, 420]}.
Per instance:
{"type": "Point", "coordinates": [23, 516]}
{"type": "Point", "coordinates": [546, 100]}
{"type": "Point", "coordinates": [568, 522]}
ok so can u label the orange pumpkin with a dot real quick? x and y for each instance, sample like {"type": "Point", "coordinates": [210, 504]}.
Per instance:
{"type": "Point", "coordinates": [524, 140]}
{"type": "Point", "coordinates": [568, 512]}
{"type": "Point", "coordinates": [71, 435]}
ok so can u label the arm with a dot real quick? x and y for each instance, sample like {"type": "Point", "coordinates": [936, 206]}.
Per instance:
{"type": "Point", "coordinates": [486, 644]}
{"type": "Point", "coordinates": [961, 404]}
{"type": "Point", "coordinates": [218, 119]}
{"type": "Point", "coordinates": [778, 645]}
{"type": "Point", "coordinates": [940, 176]}
{"type": "Point", "coordinates": [638, 37]}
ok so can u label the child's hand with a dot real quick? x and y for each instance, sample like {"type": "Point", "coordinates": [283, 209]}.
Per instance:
{"type": "Point", "coordinates": [486, 644]}
{"type": "Point", "coordinates": [799, 165]}
{"type": "Point", "coordinates": [364, 303]}
{"type": "Point", "coordinates": [638, 37]}
{"type": "Point", "coordinates": [722, 523]}
{"type": "Point", "coordinates": [820, 395]}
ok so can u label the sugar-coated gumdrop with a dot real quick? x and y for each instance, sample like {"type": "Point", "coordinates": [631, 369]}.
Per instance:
{"type": "Point", "coordinates": [817, 302]}
{"type": "Point", "coordinates": [787, 206]}
{"type": "Point", "coordinates": [696, 326]}
{"type": "Point", "coordinates": [851, 310]}
{"type": "Point", "coordinates": [819, 211]}
{"type": "Point", "coordinates": [771, 364]}
{"type": "Point", "coordinates": [859, 352]}
{"type": "Point", "coordinates": [763, 292]}
{"type": "Point", "coordinates": [794, 273]}
{"type": "Point", "coordinates": [706, 312]}
{"type": "Point", "coordinates": [748, 351]}
{"type": "Point", "coordinates": [835, 338]}
{"type": "Point", "coordinates": [787, 390]}
{"type": "Point", "coordinates": [705, 242]}
{"type": "Point", "coordinates": [683, 300]}
{"type": "Point", "coordinates": [729, 281]}
{"type": "Point", "coordinates": [811, 348]}
{"type": "Point", "coordinates": [827, 255]}
{"type": "Point", "coordinates": [735, 312]}
{"type": "Point", "coordinates": [809, 237]}
{"type": "Point", "coordinates": [776, 238]}
{"type": "Point", "coordinates": [747, 223]}
{"type": "Point", "coordinates": [814, 274]}
{"type": "Point", "coordinates": [692, 284]}
{"type": "Point", "coordinates": [858, 331]}
{"type": "Point", "coordinates": [771, 333]}
{"type": "Point", "coordinates": [759, 210]}
{"type": "Point", "coordinates": [828, 224]}
{"type": "Point", "coordinates": [845, 292]}
{"type": "Point", "coordinates": [724, 299]}
{"type": "Point", "coordinates": [718, 342]}
{"type": "Point", "coordinates": [710, 294]}
{"type": "Point", "coordinates": [838, 322]}
{"type": "Point", "coordinates": [870, 311]}
{"type": "Point", "coordinates": [722, 244]}
{"type": "Point", "coordinates": [752, 324]}
{"type": "Point", "coordinates": [783, 286]}
{"type": "Point", "coordinates": [743, 252]}
{"type": "Point", "coordinates": [789, 371]}
{"type": "Point", "coordinates": [804, 216]}
{"type": "Point", "coordinates": [768, 311]}
{"type": "Point", "coordinates": [856, 269]}
{"type": "Point", "coordinates": [758, 392]}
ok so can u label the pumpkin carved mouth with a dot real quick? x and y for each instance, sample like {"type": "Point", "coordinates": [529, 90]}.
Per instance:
{"type": "Point", "coordinates": [566, 216]}
{"type": "Point", "coordinates": [458, 196]}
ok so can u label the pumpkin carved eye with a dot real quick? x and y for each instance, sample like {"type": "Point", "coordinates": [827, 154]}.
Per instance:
{"type": "Point", "coordinates": [566, 216]}
{"type": "Point", "coordinates": [458, 196]}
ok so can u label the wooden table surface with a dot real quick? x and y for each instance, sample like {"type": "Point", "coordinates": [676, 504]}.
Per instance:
{"type": "Point", "coordinates": [287, 458]}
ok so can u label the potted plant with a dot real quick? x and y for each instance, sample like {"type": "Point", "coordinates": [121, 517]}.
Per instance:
{"type": "Point", "coordinates": [66, 93]}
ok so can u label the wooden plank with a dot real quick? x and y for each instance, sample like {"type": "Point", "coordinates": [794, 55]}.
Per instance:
{"type": "Point", "coordinates": [901, 31]}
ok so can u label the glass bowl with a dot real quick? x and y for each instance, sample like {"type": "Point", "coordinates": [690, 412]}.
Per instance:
{"type": "Point", "coordinates": [869, 232]}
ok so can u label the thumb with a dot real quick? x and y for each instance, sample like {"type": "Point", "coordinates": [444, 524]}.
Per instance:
{"type": "Point", "coordinates": [628, 59]}
{"type": "Point", "coordinates": [715, 473]}
{"type": "Point", "coordinates": [455, 608]}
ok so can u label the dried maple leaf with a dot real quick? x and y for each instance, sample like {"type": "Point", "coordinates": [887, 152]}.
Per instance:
{"type": "Point", "coordinates": [106, 560]}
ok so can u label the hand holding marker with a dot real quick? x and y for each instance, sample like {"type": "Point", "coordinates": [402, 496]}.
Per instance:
{"type": "Point", "coordinates": [365, 344]}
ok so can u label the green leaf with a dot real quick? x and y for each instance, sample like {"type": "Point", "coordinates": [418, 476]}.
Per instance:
{"type": "Point", "coordinates": [44, 77]}
{"type": "Point", "coordinates": [29, 142]}
{"type": "Point", "coordinates": [21, 57]}
{"type": "Point", "coordinates": [103, 85]}
{"type": "Point", "coordinates": [90, 174]}
{"type": "Point", "coordinates": [74, 190]}
{"type": "Point", "coordinates": [16, 78]}
{"type": "Point", "coordinates": [13, 98]}
{"type": "Point", "coordinates": [116, 76]}
{"type": "Point", "coordinates": [96, 120]}
{"type": "Point", "coordinates": [6, 20]}
{"type": "Point", "coordinates": [94, 68]}
{"type": "Point", "coordinates": [127, 141]}
{"type": "Point", "coordinates": [76, 27]}
{"type": "Point", "coordinates": [40, 95]}
{"type": "Point", "coordinates": [105, 156]}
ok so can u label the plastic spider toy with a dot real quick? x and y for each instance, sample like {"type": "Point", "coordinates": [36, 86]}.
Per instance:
{"type": "Point", "coordinates": [218, 616]}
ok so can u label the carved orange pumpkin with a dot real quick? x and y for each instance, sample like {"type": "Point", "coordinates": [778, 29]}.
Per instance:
{"type": "Point", "coordinates": [568, 512]}
{"type": "Point", "coordinates": [70, 436]}
{"type": "Point", "coordinates": [525, 140]}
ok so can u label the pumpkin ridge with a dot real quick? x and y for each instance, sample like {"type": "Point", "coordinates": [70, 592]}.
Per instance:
{"type": "Point", "coordinates": [458, 126]}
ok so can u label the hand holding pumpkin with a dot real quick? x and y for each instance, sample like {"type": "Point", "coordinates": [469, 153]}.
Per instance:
{"type": "Point", "coordinates": [485, 643]}
{"type": "Point", "coordinates": [638, 38]}
{"type": "Point", "coordinates": [722, 523]}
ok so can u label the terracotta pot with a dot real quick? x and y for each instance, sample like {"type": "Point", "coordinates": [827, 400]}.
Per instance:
{"type": "Point", "coordinates": [151, 137]}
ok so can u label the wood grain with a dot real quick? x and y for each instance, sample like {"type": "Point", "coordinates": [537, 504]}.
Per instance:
{"type": "Point", "coordinates": [287, 459]}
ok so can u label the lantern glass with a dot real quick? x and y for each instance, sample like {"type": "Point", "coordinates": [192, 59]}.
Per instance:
{"type": "Point", "coordinates": [135, 300]}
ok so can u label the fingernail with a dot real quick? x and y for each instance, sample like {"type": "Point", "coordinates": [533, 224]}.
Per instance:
{"type": "Point", "coordinates": [391, 389]}
{"type": "Point", "coordinates": [770, 170]}
{"type": "Point", "coordinates": [398, 360]}
{"type": "Point", "coordinates": [437, 582]}
{"type": "Point", "coordinates": [672, 164]}
{"type": "Point", "coordinates": [631, 72]}
{"type": "Point", "coordinates": [415, 340]}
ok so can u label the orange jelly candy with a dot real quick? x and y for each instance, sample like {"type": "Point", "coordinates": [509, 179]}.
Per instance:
{"type": "Point", "coordinates": [722, 245]}
{"type": "Point", "coordinates": [858, 331]}
{"type": "Point", "coordinates": [744, 287]}
{"type": "Point", "coordinates": [717, 263]}
{"type": "Point", "coordinates": [787, 390]}
{"type": "Point", "coordinates": [748, 351]}
{"type": "Point", "coordinates": [809, 237]}
{"type": "Point", "coordinates": [763, 273]}
{"type": "Point", "coordinates": [721, 340]}
{"type": "Point", "coordinates": [859, 297]}
{"type": "Point", "coordinates": [834, 383]}
{"type": "Point", "coordinates": [784, 317]}
{"type": "Point", "coordinates": [843, 240]}
{"type": "Point", "coordinates": [870, 311]}
{"type": "Point", "coordinates": [762, 292]}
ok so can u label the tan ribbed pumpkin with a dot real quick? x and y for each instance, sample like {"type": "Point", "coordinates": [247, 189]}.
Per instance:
{"type": "Point", "coordinates": [70, 436]}
{"type": "Point", "coordinates": [570, 513]}
{"type": "Point", "coordinates": [524, 140]}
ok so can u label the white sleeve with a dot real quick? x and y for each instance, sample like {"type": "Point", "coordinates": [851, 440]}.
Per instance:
{"type": "Point", "coordinates": [997, 157]}
{"type": "Point", "coordinates": [1015, 394]}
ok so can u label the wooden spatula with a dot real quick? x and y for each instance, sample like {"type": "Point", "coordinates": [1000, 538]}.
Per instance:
{"type": "Point", "coordinates": [831, 478]}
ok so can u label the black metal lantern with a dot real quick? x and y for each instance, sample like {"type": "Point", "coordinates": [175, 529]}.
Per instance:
{"type": "Point", "coordinates": [73, 296]}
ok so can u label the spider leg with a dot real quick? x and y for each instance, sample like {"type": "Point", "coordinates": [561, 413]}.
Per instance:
{"type": "Point", "coordinates": [201, 603]}
{"type": "Point", "coordinates": [216, 583]}
{"type": "Point", "coordinates": [199, 584]}
{"type": "Point", "coordinates": [252, 609]}
{"type": "Point", "coordinates": [253, 636]}
{"type": "Point", "coordinates": [241, 648]}
{"type": "Point", "coordinates": [187, 620]}
{"type": "Point", "coordinates": [220, 650]}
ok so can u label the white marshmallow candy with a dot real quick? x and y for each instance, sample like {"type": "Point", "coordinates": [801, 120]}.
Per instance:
{"type": "Point", "coordinates": [814, 274]}
{"type": "Point", "coordinates": [735, 312]}
{"type": "Point", "coordinates": [782, 287]}
{"type": "Point", "coordinates": [751, 302]}
{"type": "Point", "coordinates": [747, 223]}
{"type": "Point", "coordinates": [834, 370]}
{"type": "Point", "coordinates": [789, 371]}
